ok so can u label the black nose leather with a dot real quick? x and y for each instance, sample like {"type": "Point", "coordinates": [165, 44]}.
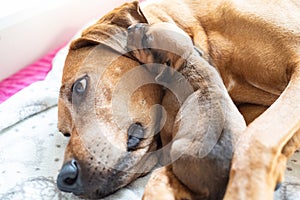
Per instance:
{"type": "Point", "coordinates": [67, 179]}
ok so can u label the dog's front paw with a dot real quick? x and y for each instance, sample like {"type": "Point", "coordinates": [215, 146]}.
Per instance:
{"type": "Point", "coordinates": [137, 36]}
{"type": "Point", "coordinates": [137, 43]}
{"type": "Point", "coordinates": [159, 42]}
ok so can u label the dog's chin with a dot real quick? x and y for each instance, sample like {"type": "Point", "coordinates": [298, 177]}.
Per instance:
{"type": "Point", "coordinates": [102, 189]}
{"type": "Point", "coordinates": [92, 187]}
{"type": "Point", "coordinates": [99, 193]}
{"type": "Point", "coordinates": [106, 190]}
{"type": "Point", "coordinates": [93, 195]}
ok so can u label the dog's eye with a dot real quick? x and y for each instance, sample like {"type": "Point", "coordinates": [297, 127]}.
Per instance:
{"type": "Point", "coordinates": [79, 88]}
{"type": "Point", "coordinates": [135, 136]}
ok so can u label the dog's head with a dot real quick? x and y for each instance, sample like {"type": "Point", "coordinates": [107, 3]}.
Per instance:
{"type": "Point", "coordinates": [107, 105]}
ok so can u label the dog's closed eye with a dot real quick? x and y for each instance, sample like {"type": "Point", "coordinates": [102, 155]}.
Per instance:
{"type": "Point", "coordinates": [135, 136]}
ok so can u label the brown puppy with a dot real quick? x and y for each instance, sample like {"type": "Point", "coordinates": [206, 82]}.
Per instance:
{"type": "Point", "coordinates": [255, 47]}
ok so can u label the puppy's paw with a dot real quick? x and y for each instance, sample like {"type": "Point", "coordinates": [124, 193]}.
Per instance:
{"type": "Point", "coordinates": [160, 42]}
{"type": "Point", "coordinates": [137, 43]}
{"type": "Point", "coordinates": [137, 36]}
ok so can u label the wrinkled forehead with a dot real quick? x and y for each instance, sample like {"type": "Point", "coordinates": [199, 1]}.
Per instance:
{"type": "Point", "coordinates": [116, 85]}
{"type": "Point", "coordinates": [92, 59]}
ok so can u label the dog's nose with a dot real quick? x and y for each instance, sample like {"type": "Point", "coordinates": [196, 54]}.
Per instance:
{"type": "Point", "coordinates": [67, 179]}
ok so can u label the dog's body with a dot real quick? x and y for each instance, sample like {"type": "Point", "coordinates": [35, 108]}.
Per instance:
{"type": "Point", "coordinates": [221, 28]}
{"type": "Point", "coordinates": [255, 47]}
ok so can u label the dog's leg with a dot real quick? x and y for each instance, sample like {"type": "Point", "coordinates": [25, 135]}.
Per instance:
{"type": "Point", "coordinates": [164, 185]}
{"type": "Point", "coordinates": [264, 146]}
{"type": "Point", "coordinates": [208, 123]}
{"type": "Point", "coordinates": [206, 129]}
{"type": "Point", "coordinates": [205, 132]}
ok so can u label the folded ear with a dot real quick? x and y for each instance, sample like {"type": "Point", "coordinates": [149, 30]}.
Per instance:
{"type": "Point", "coordinates": [111, 29]}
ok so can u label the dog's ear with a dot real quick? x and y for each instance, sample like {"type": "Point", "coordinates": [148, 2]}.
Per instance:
{"type": "Point", "coordinates": [111, 29]}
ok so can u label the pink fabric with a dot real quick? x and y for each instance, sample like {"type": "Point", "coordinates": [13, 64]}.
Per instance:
{"type": "Point", "coordinates": [26, 76]}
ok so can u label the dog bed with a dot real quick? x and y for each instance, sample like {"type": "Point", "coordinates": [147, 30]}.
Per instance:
{"type": "Point", "coordinates": [32, 149]}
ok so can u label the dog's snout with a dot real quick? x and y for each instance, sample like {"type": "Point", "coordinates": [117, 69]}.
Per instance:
{"type": "Point", "coordinates": [67, 179]}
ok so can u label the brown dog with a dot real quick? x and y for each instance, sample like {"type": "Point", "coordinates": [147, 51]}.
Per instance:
{"type": "Point", "coordinates": [113, 122]}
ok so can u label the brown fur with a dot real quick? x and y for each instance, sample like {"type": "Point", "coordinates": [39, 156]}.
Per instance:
{"type": "Point", "coordinates": [255, 47]}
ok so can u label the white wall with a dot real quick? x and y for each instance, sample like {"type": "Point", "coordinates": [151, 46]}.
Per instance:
{"type": "Point", "coordinates": [30, 30]}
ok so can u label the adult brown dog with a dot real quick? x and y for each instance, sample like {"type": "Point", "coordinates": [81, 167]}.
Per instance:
{"type": "Point", "coordinates": [255, 47]}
